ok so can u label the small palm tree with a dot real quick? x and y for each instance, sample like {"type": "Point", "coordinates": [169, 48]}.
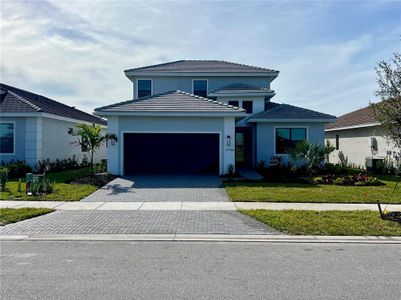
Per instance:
{"type": "Point", "coordinates": [91, 138]}
{"type": "Point", "coordinates": [312, 156]}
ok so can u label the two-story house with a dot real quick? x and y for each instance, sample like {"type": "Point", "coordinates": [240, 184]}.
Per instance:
{"type": "Point", "coordinates": [204, 116]}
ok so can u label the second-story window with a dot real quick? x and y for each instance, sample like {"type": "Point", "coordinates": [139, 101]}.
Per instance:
{"type": "Point", "coordinates": [200, 87]}
{"type": "Point", "coordinates": [144, 87]}
{"type": "Point", "coordinates": [248, 106]}
{"type": "Point", "coordinates": [233, 103]}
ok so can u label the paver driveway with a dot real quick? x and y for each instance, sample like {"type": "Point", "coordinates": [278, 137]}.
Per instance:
{"type": "Point", "coordinates": [139, 222]}
{"type": "Point", "coordinates": [150, 219]}
{"type": "Point", "coordinates": [162, 188]}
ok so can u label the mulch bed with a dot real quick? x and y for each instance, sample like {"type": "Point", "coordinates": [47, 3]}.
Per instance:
{"type": "Point", "coordinates": [98, 180]}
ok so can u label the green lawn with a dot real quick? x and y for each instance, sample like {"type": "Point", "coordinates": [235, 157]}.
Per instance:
{"type": "Point", "coordinates": [302, 192]}
{"type": "Point", "coordinates": [306, 222]}
{"type": "Point", "coordinates": [12, 215]}
{"type": "Point", "coordinates": [62, 191]}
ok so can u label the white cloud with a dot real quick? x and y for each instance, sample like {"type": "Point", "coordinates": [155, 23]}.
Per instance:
{"type": "Point", "coordinates": [76, 52]}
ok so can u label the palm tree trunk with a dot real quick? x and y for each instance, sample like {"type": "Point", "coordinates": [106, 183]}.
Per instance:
{"type": "Point", "coordinates": [91, 161]}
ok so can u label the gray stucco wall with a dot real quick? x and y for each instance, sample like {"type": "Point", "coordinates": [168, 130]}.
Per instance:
{"type": "Point", "coordinates": [19, 151]}
{"type": "Point", "coordinates": [57, 141]}
{"type": "Point", "coordinates": [164, 84]}
{"type": "Point", "coordinates": [265, 133]}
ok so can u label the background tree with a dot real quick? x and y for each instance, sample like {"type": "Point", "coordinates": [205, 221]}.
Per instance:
{"type": "Point", "coordinates": [328, 149]}
{"type": "Point", "coordinates": [91, 138]}
{"type": "Point", "coordinates": [388, 112]}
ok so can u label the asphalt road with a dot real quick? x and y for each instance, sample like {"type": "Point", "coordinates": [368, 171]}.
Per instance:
{"type": "Point", "coordinates": [198, 270]}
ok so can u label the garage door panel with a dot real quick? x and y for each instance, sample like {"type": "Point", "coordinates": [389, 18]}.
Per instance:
{"type": "Point", "coordinates": [171, 153]}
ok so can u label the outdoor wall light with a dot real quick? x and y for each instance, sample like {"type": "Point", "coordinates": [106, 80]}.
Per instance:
{"type": "Point", "coordinates": [113, 142]}
{"type": "Point", "coordinates": [228, 140]}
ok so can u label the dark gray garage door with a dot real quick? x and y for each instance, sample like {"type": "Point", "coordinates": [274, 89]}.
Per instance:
{"type": "Point", "coordinates": [171, 153]}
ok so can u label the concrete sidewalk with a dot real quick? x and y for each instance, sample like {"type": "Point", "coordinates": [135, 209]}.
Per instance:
{"type": "Point", "coordinates": [183, 205]}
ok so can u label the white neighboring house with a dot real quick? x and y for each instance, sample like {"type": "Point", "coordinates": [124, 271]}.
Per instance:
{"type": "Point", "coordinates": [359, 140]}
{"type": "Point", "coordinates": [33, 127]}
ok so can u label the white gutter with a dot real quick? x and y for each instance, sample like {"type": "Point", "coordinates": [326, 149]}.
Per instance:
{"type": "Point", "coordinates": [354, 126]}
{"type": "Point", "coordinates": [330, 120]}
{"type": "Point", "coordinates": [171, 114]}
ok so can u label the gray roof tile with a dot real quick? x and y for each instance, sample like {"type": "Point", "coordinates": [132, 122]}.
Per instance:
{"type": "Point", "coordinates": [172, 101]}
{"type": "Point", "coordinates": [16, 100]}
{"type": "Point", "coordinates": [201, 66]}
{"type": "Point", "coordinates": [276, 111]}
{"type": "Point", "coordinates": [358, 117]}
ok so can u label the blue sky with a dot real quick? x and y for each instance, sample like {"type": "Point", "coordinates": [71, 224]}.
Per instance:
{"type": "Point", "coordinates": [76, 51]}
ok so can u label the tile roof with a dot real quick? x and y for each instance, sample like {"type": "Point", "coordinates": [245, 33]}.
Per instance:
{"type": "Point", "coordinates": [237, 87]}
{"type": "Point", "coordinates": [172, 101]}
{"type": "Point", "coordinates": [361, 116]}
{"type": "Point", "coordinates": [15, 100]}
{"type": "Point", "coordinates": [276, 111]}
{"type": "Point", "coordinates": [201, 66]}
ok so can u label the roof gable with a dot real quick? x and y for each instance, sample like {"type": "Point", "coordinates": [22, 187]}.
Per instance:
{"type": "Point", "coordinates": [200, 66]}
{"type": "Point", "coordinates": [14, 100]}
{"type": "Point", "coordinates": [171, 102]}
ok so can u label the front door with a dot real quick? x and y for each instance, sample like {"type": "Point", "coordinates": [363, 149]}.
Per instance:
{"type": "Point", "coordinates": [243, 146]}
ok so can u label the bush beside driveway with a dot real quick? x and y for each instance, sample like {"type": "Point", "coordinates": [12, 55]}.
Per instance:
{"type": "Point", "coordinates": [314, 193]}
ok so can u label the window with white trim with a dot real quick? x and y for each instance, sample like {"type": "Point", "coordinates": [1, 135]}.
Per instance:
{"type": "Point", "coordinates": [288, 138]}
{"type": "Point", "coordinates": [144, 87]}
{"type": "Point", "coordinates": [7, 136]}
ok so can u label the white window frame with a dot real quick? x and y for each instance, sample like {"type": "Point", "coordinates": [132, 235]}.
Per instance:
{"type": "Point", "coordinates": [137, 86]}
{"type": "Point", "coordinates": [286, 127]}
{"type": "Point", "coordinates": [207, 85]}
{"type": "Point", "coordinates": [14, 137]}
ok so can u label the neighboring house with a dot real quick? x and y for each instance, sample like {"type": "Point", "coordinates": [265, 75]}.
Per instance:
{"type": "Point", "coordinates": [359, 140]}
{"type": "Point", "coordinates": [204, 115]}
{"type": "Point", "coordinates": [33, 127]}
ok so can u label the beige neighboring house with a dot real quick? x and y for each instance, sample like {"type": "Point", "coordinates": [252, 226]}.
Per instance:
{"type": "Point", "coordinates": [359, 140]}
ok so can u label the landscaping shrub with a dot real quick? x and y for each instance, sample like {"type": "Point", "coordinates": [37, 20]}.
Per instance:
{"type": "Point", "coordinates": [3, 178]}
{"type": "Point", "coordinates": [98, 180]}
{"type": "Point", "coordinates": [361, 179]}
{"type": "Point", "coordinates": [280, 171]}
{"type": "Point", "coordinates": [42, 187]}
{"type": "Point", "coordinates": [16, 168]}
{"type": "Point", "coordinates": [45, 165]}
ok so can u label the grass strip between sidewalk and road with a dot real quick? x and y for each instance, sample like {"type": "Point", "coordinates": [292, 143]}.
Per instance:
{"type": "Point", "coordinates": [341, 223]}
{"type": "Point", "coordinates": [12, 215]}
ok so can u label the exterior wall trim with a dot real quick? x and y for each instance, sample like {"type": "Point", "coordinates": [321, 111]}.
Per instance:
{"type": "Point", "coordinates": [14, 136]}
{"type": "Point", "coordinates": [221, 163]}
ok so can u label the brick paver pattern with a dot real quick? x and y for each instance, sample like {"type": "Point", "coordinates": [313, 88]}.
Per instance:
{"type": "Point", "coordinates": [162, 188]}
{"type": "Point", "coordinates": [139, 222]}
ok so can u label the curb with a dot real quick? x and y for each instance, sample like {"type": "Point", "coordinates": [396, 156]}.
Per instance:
{"type": "Point", "coordinates": [206, 238]}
